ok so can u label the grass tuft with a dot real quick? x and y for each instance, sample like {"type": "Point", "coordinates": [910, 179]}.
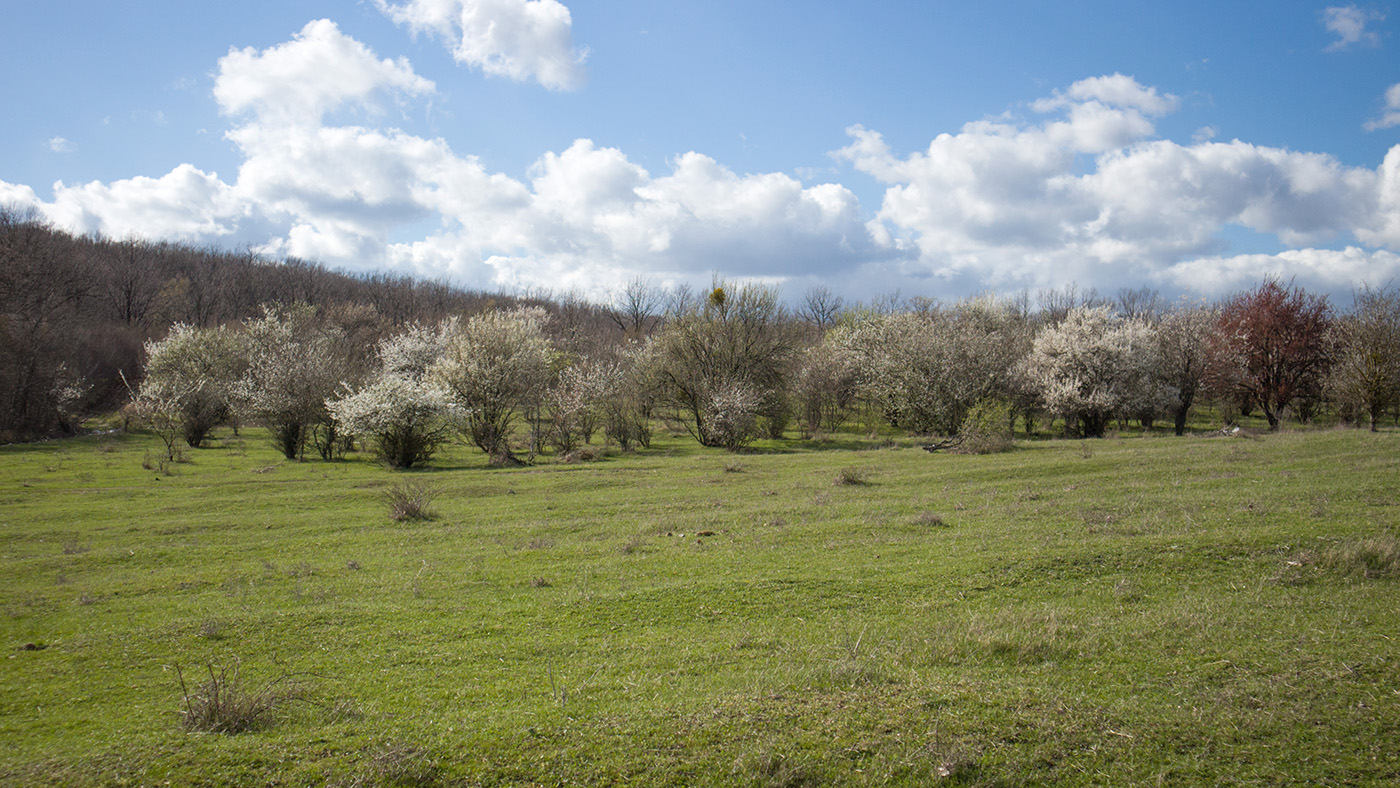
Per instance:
{"type": "Point", "coordinates": [851, 477]}
{"type": "Point", "coordinates": [410, 501]}
{"type": "Point", "coordinates": [222, 703]}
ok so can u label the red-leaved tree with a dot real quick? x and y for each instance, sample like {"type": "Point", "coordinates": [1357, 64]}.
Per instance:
{"type": "Point", "coordinates": [1276, 338]}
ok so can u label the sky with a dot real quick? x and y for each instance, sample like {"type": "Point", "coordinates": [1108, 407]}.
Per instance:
{"type": "Point", "coordinates": [914, 146]}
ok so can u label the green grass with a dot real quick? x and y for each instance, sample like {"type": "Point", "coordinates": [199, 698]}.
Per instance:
{"type": "Point", "coordinates": [1136, 611]}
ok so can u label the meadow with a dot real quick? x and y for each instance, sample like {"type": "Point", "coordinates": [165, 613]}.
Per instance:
{"type": "Point", "coordinates": [1138, 610]}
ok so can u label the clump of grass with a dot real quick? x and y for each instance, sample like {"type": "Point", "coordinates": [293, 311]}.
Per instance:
{"type": "Point", "coordinates": [73, 548]}
{"type": "Point", "coordinates": [402, 765]}
{"type": "Point", "coordinates": [1372, 557]}
{"type": "Point", "coordinates": [540, 582]}
{"type": "Point", "coordinates": [734, 467]}
{"type": "Point", "coordinates": [211, 629]}
{"type": "Point", "coordinates": [410, 501]}
{"type": "Point", "coordinates": [222, 703]}
{"type": "Point", "coordinates": [852, 476]}
{"type": "Point", "coordinates": [775, 770]}
{"type": "Point", "coordinates": [930, 519]}
{"type": "Point", "coordinates": [633, 545]}
{"type": "Point", "coordinates": [583, 454]}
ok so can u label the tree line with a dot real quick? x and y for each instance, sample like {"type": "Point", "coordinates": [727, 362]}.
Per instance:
{"type": "Point", "coordinates": [198, 338]}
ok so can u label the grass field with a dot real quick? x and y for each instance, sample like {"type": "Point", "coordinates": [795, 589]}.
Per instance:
{"type": "Point", "coordinates": [1132, 611]}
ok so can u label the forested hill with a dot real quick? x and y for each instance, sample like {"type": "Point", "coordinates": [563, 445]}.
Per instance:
{"type": "Point", "coordinates": [75, 311]}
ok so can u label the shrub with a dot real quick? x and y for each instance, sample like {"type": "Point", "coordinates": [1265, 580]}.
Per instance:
{"type": "Point", "coordinates": [852, 477]}
{"type": "Point", "coordinates": [987, 428]}
{"type": "Point", "coordinates": [410, 501]}
{"type": "Point", "coordinates": [223, 704]}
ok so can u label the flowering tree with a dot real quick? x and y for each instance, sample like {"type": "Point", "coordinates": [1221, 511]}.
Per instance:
{"type": "Point", "coordinates": [1187, 336]}
{"type": "Point", "coordinates": [400, 411]}
{"type": "Point", "coordinates": [190, 380]}
{"type": "Point", "coordinates": [1278, 338]}
{"type": "Point", "coordinates": [825, 385]}
{"type": "Point", "coordinates": [1092, 367]}
{"type": "Point", "coordinates": [295, 364]}
{"type": "Point", "coordinates": [925, 370]}
{"type": "Point", "coordinates": [494, 368]}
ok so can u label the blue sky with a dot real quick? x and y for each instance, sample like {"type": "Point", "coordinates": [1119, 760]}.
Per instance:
{"type": "Point", "coordinates": [939, 149]}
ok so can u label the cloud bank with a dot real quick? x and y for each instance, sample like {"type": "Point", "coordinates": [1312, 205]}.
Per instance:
{"type": "Point", "coordinates": [1081, 189]}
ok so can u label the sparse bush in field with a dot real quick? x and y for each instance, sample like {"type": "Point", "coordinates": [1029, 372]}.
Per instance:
{"type": "Point", "coordinates": [223, 704]}
{"type": "Point", "coordinates": [410, 501]}
{"type": "Point", "coordinates": [852, 476]}
{"type": "Point", "coordinates": [400, 765]}
{"type": "Point", "coordinates": [987, 428]}
{"type": "Point", "coordinates": [1372, 557]}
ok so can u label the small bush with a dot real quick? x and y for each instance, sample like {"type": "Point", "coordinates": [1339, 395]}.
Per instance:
{"type": "Point", "coordinates": [986, 429]}
{"type": "Point", "coordinates": [410, 501]}
{"type": "Point", "coordinates": [222, 704]}
{"type": "Point", "coordinates": [852, 477]}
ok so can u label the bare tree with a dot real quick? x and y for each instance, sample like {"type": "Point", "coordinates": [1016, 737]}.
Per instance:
{"type": "Point", "coordinates": [1141, 302]}
{"type": "Point", "coordinates": [1366, 377]}
{"type": "Point", "coordinates": [820, 307]}
{"type": "Point", "coordinates": [636, 306]}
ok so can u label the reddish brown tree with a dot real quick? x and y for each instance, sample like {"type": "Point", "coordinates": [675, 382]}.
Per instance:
{"type": "Point", "coordinates": [1277, 336]}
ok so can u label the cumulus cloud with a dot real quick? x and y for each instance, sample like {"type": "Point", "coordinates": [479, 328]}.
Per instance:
{"type": "Point", "coordinates": [61, 145]}
{"type": "Point", "coordinates": [1082, 190]}
{"type": "Point", "coordinates": [1348, 23]}
{"type": "Point", "coordinates": [1390, 116]}
{"type": "Point", "coordinates": [1325, 270]}
{"type": "Point", "coordinates": [1009, 205]}
{"type": "Point", "coordinates": [519, 39]}
{"type": "Point", "coordinates": [321, 69]}
{"type": "Point", "coordinates": [184, 204]}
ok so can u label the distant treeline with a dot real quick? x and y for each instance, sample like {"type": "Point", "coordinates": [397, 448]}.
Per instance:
{"type": "Point", "coordinates": [76, 311]}
{"type": "Point", "coordinates": [206, 337]}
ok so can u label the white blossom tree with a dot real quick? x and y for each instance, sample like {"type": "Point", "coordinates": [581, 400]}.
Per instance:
{"type": "Point", "coordinates": [494, 368]}
{"type": "Point", "coordinates": [924, 370]}
{"type": "Point", "coordinates": [295, 364]}
{"type": "Point", "coordinates": [1092, 367]}
{"type": "Point", "coordinates": [193, 373]}
{"type": "Point", "coordinates": [400, 411]}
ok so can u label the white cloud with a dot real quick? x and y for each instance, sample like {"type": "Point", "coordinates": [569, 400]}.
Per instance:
{"type": "Point", "coordinates": [321, 69]}
{"type": "Point", "coordinates": [1391, 115]}
{"type": "Point", "coordinates": [61, 145]}
{"type": "Point", "coordinates": [1082, 191]}
{"type": "Point", "coordinates": [185, 204]}
{"type": "Point", "coordinates": [519, 39]}
{"type": "Point", "coordinates": [1010, 205]}
{"type": "Point", "coordinates": [1349, 23]}
{"type": "Point", "coordinates": [1324, 270]}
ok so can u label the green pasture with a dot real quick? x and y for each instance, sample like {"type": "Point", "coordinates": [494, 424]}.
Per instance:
{"type": "Point", "coordinates": [1141, 610]}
